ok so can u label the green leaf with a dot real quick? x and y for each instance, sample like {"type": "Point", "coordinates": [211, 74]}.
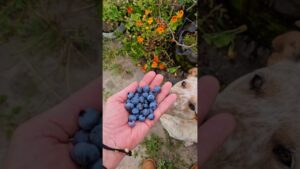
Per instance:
{"type": "Point", "coordinates": [223, 39]}
{"type": "Point", "coordinates": [173, 69]}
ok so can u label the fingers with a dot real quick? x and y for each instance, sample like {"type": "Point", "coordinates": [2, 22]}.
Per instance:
{"type": "Point", "coordinates": [147, 79]}
{"type": "Point", "coordinates": [207, 92]}
{"type": "Point", "coordinates": [157, 81]}
{"type": "Point", "coordinates": [212, 134]}
{"type": "Point", "coordinates": [162, 108]}
{"type": "Point", "coordinates": [66, 113]}
{"type": "Point", "coordinates": [122, 95]}
{"type": "Point", "coordinates": [165, 90]}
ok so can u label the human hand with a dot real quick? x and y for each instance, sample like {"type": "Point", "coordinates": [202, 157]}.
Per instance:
{"type": "Point", "coordinates": [213, 132]}
{"type": "Point", "coordinates": [116, 132]}
{"type": "Point", "coordinates": [44, 141]}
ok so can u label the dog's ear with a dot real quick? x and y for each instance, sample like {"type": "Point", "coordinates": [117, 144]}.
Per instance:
{"type": "Point", "coordinates": [286, 47]}
{"type": "Point", "coordinates": [193, 72]}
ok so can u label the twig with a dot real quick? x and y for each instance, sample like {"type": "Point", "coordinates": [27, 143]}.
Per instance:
{"type": "Point", "coordinates": [194, 4]}
{"type": "Point", "coordinates": [179, 44]}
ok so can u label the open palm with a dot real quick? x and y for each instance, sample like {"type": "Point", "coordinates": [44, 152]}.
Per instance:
{"type": "Point", "coordinates": [116, 132]}
{"type": "Point", "coordinates": [45, 140]}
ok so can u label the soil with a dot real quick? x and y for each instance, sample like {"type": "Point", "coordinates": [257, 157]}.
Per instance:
{"type": "Point", "coordinates": [37, 81]}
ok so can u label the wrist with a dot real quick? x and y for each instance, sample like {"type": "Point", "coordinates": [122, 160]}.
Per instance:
{"type": "Point", "coordinates": [111, 159]}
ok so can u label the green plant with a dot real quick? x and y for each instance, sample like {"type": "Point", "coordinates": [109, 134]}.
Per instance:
{"type": "Point", "coordinates": [224, 38]}
{"type": "Point", "coordinates": [189, 40]}
{"type": "Point", "coordinates": [164, 151]}
{"type": "Point", "coordinates": [165, 164]}
{"type": "Point", "coordinates": [153, 146]}
{"type": "Point", "coordinates": [150, 30]}
{"type": "Point", "coordinates": [111, 13]}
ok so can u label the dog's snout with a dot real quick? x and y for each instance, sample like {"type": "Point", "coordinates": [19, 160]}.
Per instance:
{"type": "Point", "coordinates": [183, 84]}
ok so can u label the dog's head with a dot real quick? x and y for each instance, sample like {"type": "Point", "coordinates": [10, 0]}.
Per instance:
{"type": "Point", "coordinates": [180, 120]}
{"type": "Point", "coordinates": [266, 104]}
{"type": "Point", "coordinates": [185, 106]}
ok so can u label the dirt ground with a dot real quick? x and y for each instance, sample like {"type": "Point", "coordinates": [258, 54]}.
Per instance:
{"type": "Point", "coordinates": [32, 82]}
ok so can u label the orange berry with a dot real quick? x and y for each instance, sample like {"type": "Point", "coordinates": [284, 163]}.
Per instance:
{"type": "Point", "coordinates": [162, 66]}
{"type": "Point", "coordinates": [155, 58]}
{"type": "Point", "coordinates": [150, 21]}
{"type": "Point", "coordinates": [140, 39]}
{"type": "Point", "coordinates": [179, 14]}
{"type": "Point", "coordinates": [139, 23]}
{"type": "Point", "coordinates": [144, 68]}
{"type": "Point", "coordinates": [154, 65]}
{"type": "Point", "coordinates": [129, 10]}
{"type": "Point", "coordinates": [174, 19]}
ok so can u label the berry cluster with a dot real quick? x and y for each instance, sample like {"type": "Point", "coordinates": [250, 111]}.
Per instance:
{"type": "Point", "coordinates": [87, 140]}
{"type": "Point", "coordinates": [141, 104]}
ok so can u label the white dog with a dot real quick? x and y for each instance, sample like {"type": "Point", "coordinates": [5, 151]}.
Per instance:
{"type": "Point", "coordinates": [266, 105]}
{"type": "Point", "coordinates": [181, 119]}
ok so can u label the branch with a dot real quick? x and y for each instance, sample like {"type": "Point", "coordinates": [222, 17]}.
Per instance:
{"type": "Point", "coordinates": [194, 4]}
{"type": "Point", "coordinates": [177, 43]}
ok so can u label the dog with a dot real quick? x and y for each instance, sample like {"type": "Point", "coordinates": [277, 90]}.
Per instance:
{"type": "Point", "coordinates": [181, 119]}
{"type": "Point", "coordinates": [266, 105]}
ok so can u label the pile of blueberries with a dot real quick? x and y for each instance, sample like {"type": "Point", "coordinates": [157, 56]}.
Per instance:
{"type": "Point", "coordinates": [87, 151]}
{"type": "Point", "coordinates": [141, 104]}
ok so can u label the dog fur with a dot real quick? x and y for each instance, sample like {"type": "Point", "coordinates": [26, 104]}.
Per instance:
{"type": "Point", "coordinates": [180, 121]}
{"type": "Point", "coordinates": [268, 129]}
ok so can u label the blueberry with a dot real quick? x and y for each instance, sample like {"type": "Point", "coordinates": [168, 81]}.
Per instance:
{"type": "Point", "coordinates": [153, 105]}
{"type": "Point", "coordinates": [150, 97]}
{"type": "Point", "coordinates": [129, 106]}
{"type": "Point", "coordinates": [151, 116]}
{"type": "Point", "coordinates": [135, 100]}
{"type": "Point", "coordinates": [146, 88]}
{"type": "Point", "coordinates": [145, 95]}
{"type": "Point", "coordinates": [132, 117]}
{"type": "Point", "coordinates": [145, 105]}
{"type": "Point", "coordinates": [139, 89]}
{"type": "Point", "coordinates": [140, 106]}
{"type": "Point", "coordinates": [81, 136]}
{"type": "Point", "coordinates": [141, 99]}
{"type": "Point", "coordinates": [156, 89]}
{"type": "Point", "coordinates": [89, 118]}
{"type": "Point", "coordinates": [85, 153]}
{"type": "Point", "coordinates": [146, 101]}
{"type": "Point", "coordinates": [146, 112]}
{"type": "Point", "coordinates": [97, 165]}
{"type": "Point", "coordinates": [136, 95]}
{"type": "Point", "coordinates": [131, 123]}
{"type": "Point", "coordinates": [130, 95]}
{"type": "Point", "coordinates": [135, 111]}
{"type": "Point", "coordinates": [151, 111]}
{"type": "Point", "coordinates": [96, 136]}
{"type": "Point", "coordinates": [141, 117]}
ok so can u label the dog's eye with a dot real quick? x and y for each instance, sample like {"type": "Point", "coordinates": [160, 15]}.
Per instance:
{"type": "Point", "coordinates": [256, 82]}
{"type": "Point", "coordinates": [283, 155]}
{"type": "Point", "coordinates": [192, 106]}
{"type": "Point", "coordinates": [183, 84]}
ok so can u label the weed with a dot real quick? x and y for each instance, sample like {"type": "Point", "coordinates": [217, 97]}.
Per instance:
{"type": "Point", "coordinates": [164, 151]}
{"type": "Point", "coordinates": [153, 146]}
